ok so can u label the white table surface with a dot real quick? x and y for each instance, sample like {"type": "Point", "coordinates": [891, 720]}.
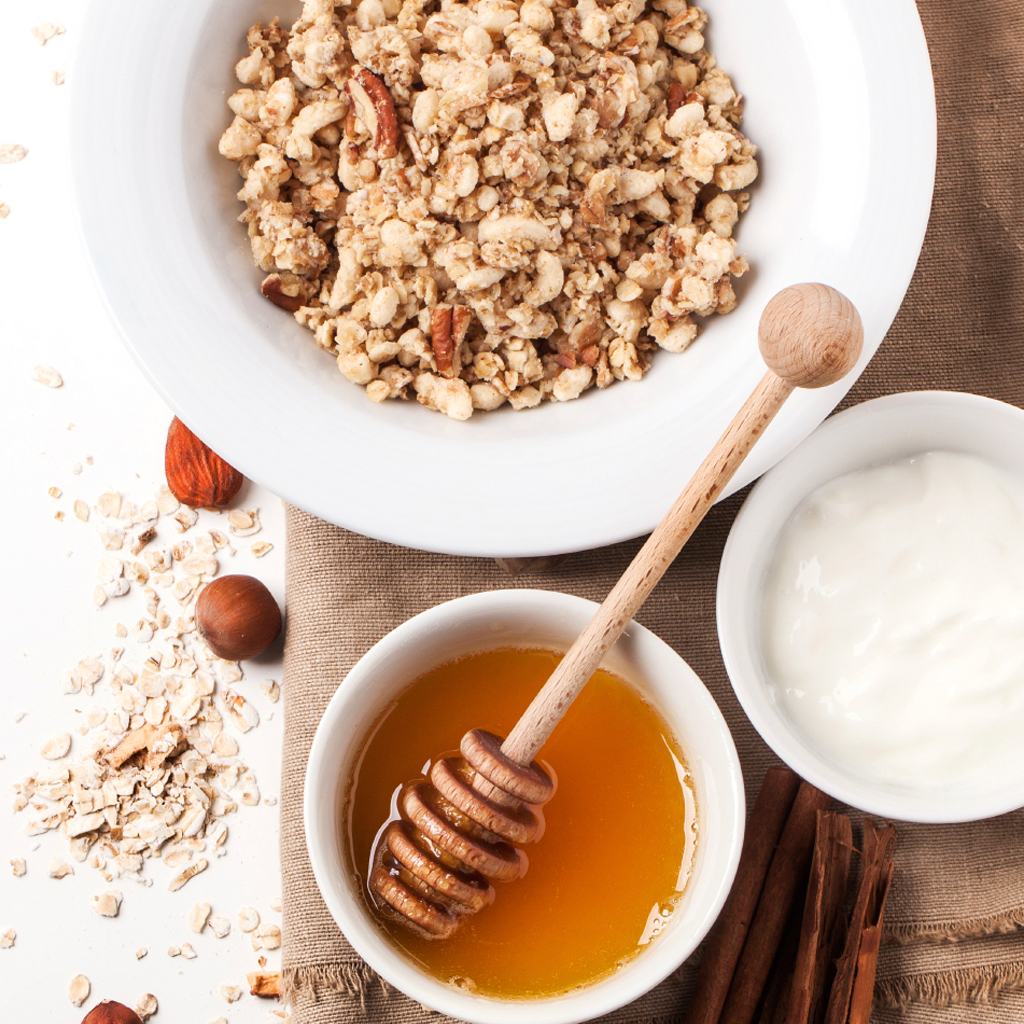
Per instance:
{"type": "Point", "coordinates": [51, 313]}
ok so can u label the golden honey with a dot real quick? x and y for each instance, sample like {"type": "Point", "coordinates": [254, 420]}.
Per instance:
{"type": "Point", "coordinates": [617, 844]}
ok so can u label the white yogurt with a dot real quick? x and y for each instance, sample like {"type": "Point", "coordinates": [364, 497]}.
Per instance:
{"type": "Point", "coordinates": [892, 621]}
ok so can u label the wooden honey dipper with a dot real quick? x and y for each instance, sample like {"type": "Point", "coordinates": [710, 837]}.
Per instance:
{"type": "Point", "coordinates": [459, 828]}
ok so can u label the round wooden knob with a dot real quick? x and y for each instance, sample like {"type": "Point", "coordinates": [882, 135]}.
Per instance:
{"type": "Point", "coordinates": [810, 335]}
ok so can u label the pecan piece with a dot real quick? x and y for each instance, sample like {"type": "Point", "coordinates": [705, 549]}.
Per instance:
{"type": "Point", "coordinates": [273, 289]}
{"type": "Point", "coordinates": [675, 97]}
{"type": "Point", "coordinates": [448, 327]}
{"type": "Point", "coordinates": [375, 108]}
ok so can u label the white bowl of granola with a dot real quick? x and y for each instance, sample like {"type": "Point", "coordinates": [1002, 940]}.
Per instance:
{"type": "Point", "coordinates": [482, 292]}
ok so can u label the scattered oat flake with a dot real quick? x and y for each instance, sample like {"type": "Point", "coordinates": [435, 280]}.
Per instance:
{"type": "Point", "coordinates": [4, 211]}
{"type": "Point", "coordinates": [54, 492]}
{"type": "Point", "coordinates": [190, 872]}
{"type": "Point", "coordinates": [275, 904]}
{"type": "Point", "coordinates": [60, 868]}
{"type": "Point", "coordinates": [272, 690]}
{"type": "Point", "coordinates": [271, 936]}
{"type": "Point", "coordinates": [56, 747]}
{"type": "Point", "coordinates": [220, 926]}
{"type": "Point", "coordinates": [107, 904]}
{"type": "Point", "coordinates": [8, 937]}
{"type": "Point", "coordinates": [81, 510]}
{"type": "Point", "coordinates": [58, 77]}
{"type": "Point", "coordinates": [109, 504]}
{"type": "Point", "coordinates": [261, 548]}
{"type": "Point", "coordinates": [174, 950]}
{"type": "Point", "coordinates": [11, 153]}
{"type": "Point", "coordinates": [248, 919]}
{"type": "Point", "coordinates": [146, 1006]}
{"type": "Point", "coordinates": [79, 989]}
{"type": "Point", "coordinates": [187, 951]}
{"type": "Point", "coordinates": [198, 916]}
{"type": "Point", "coordinates": [18, 866]}
{"type": "Point", "coordinates": [58, 516]}
{"type": "Point", "coordinates": [19, 716]}
{"type": "Point", "coordinates": [141, 952]}
{"type": "Point", "coordinates": [43, 33]}
{"type": "Point", "coordinates": [44, 374]}
{"type": "Point", "coordinates": [231, 993]}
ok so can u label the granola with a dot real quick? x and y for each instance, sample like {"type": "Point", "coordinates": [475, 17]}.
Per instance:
{"type": "Point", "coordinates": [507, 201]}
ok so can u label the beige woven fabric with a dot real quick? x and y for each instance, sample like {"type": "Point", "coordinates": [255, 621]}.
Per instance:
{"type": "Point", "coordinates": [961, 328]}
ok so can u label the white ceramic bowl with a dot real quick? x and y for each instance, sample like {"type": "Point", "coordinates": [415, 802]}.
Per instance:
{"type": "Point", "coordinates": [538, 619]}
{"type": "Point", "coordinates": [843, 198]}
{"type": "Point", "coordinates": [893, 427]}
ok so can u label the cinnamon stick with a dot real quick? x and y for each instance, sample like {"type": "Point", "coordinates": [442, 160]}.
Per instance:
{"type": "Point", "coordinates": [875, 876]}
{"type": "Point", "coordinates": [823, 931]}
{"type": "Point", "coordinates": [775, 1001]}
{"type": "Point", "coordinates": [725, 940]}
{"type": "Point", "coordinates": [786, 878]}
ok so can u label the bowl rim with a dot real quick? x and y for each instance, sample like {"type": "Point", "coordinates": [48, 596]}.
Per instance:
{"type": "Point", "coordinates": [606, 995]}
{"type": "Point", "coordinates": [756, 529]}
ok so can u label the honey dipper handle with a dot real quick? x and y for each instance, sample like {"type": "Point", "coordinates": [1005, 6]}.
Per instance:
{"type": "Point", "coordinates": [810, 336]}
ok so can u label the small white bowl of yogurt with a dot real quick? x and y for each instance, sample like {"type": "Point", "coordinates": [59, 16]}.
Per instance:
{"type": "Point", "coordinates": [871, 607]}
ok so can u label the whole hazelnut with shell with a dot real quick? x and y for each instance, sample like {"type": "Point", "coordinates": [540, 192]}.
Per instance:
{"type": "Point", "coordinates": [109, 1012]}
{"type": "Point", "coordinates": [237, 617]}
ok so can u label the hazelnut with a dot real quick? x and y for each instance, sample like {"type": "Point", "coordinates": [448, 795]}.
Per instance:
{"type": "Point", "coordinates": [111, 1013]}
{"type": "Point", "coordinates": [237, 617]}
{"type": "Point", "coordinates": [196, 474]}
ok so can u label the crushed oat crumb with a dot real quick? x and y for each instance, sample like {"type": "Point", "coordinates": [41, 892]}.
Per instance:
{"type": "Point", "coordinates": [58, 77]}
{"type": "Point", "coordinates": [270, 934]}
{"type": "Point", "coordinates": [141, 952]}
{"type": "Point", "coordinates": [248, 919]}
{"type": "Point", "coordinates": [187, 952]}
{"type": "Point", "coordinates": [46, 374]}
{"type": "Point", "coordinates": [198, 917]}
{"type": "Point", "coordinates": [18, 867]}
{"type": "Point", "coordinates": [54, 492]}
{"type": "Point", "coordinates": [7, 938]}
{"type": "Point", "coordinates": [271, 690]}
{"type": "Point", "coordinates": [4, 211]}
{"type": "Point", "coordinates": [261, 548]}
{"type": "Point", "coordinates": [220, 926]}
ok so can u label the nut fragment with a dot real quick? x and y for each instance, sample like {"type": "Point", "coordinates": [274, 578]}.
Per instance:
{"type": "Point", "coordinates": [273, 289]}
{"type": "Point", "coordinates": [196, 474]}
{"type": "Point", "coordinates": [376, 109]}
{"type": "Point", "coordinates": [78, 989]}
{"type": "Point", "coordinates": [264, 983]}
{"type": "Point", "coordinates": [238, 617]}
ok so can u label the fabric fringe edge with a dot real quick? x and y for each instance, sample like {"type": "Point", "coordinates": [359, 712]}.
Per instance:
{"type": "Point", "coordinates": [954, 931]}
{"type": "Point", "coordinates": [973, 985]}
{"type": "Point", "coordinates": [352, 980]}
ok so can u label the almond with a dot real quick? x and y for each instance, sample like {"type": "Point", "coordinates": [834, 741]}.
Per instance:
{"type": "Point", "coordinates": [197, 475]}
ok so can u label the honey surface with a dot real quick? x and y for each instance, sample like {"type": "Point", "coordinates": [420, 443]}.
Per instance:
{"type": "Point", "coordinates": [619, 832]}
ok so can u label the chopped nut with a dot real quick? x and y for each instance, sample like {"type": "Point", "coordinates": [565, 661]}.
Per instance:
{"type": "Point", "coordinates": [264, 983]}
{"type": "Point", "coordinates": [78, 989]}
{"type": "Point", "coordinates": [43, 374]}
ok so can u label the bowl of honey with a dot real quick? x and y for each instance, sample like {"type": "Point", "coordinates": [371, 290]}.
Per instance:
{"type": "Point", "coordinates": [638, 845]}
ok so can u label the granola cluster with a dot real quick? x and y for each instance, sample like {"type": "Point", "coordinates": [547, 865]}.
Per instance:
{"type": "Point", "coordinates": [502, 200]}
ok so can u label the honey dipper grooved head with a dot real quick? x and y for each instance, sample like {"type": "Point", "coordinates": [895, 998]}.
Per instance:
{"type": "Point", "coordinates": [810, 335]}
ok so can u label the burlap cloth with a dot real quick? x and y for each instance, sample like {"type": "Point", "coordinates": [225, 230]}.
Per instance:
{"type": "Point", "coordinates": [956, 911]}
